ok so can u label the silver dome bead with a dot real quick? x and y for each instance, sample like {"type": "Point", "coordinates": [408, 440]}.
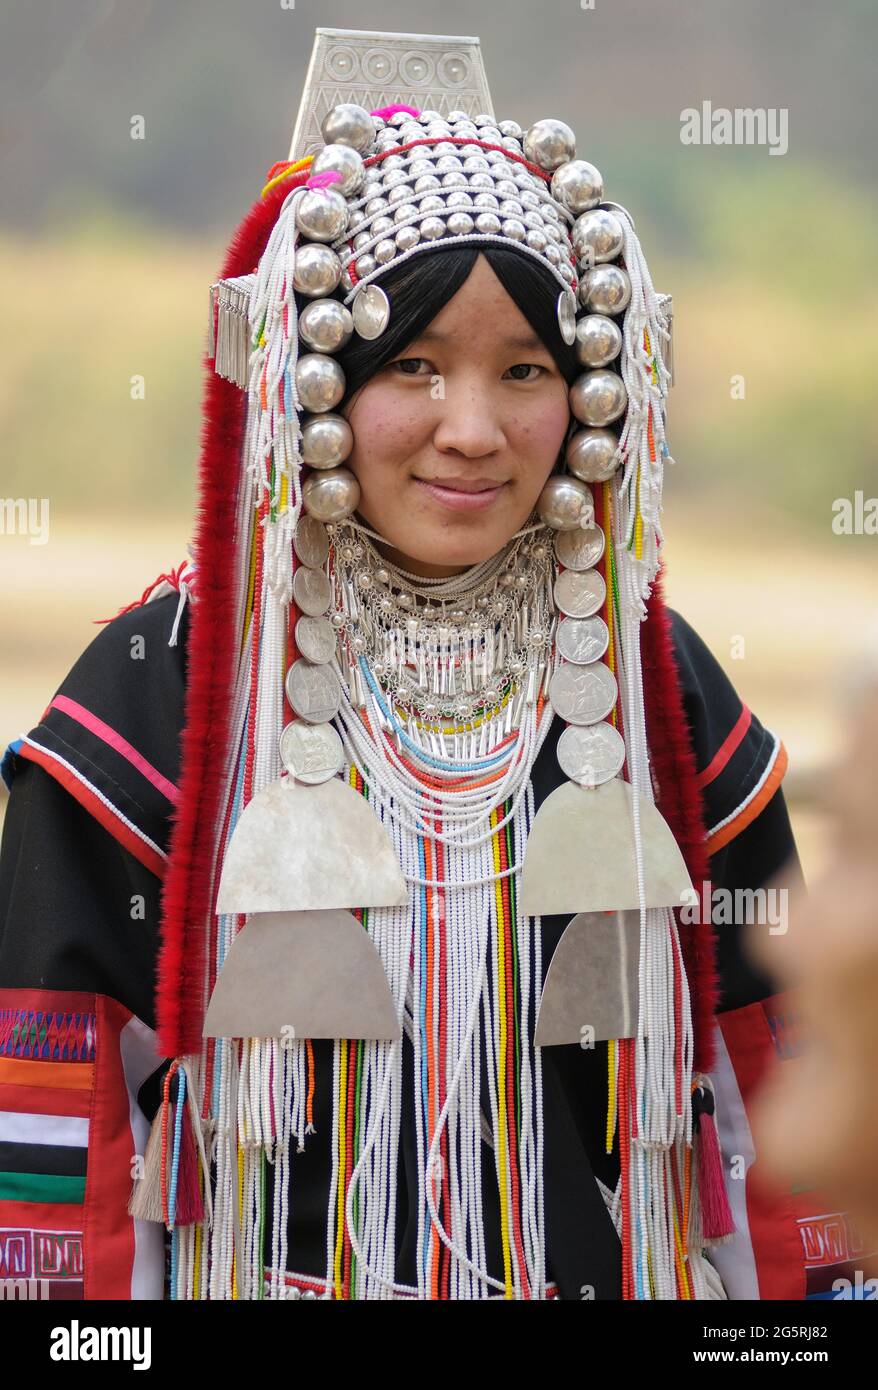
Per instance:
{"type": "Point", "coordinates": [331, 496]}
{"type": "Point", "coordinates": [380, 225]}
{"type": "Point", "coordinates": [511, 207]}
{"type": "Point", "coordinates": [376, 205]}
{"type": "Point", "coordinates": [578, 186]}
{"type": "Point", "coordinates": [562, 503]}
{"type": "Point", "coordinates": [455, 180]}
{"type": "Point", "coordinates": [487, 200]}
{"type": "Point", "coordinates": [316, 270]}
{"type": "Point", "coordinates": [432, 228]}
{"type": "Point", "coordinates": [553, 255]}
{"type": "Point", "coordinates": [536, 240]}
{"type": "Point", "coordinates": [349, 124]}
{"type": "Point", "coordinates": [322, 214]}
{"type": "Point", "coordinates": [325, 325]}
{"type": "Point", "coordinates": [598, 340]}
{"type": "Point", "coordinates": [402, 193]}
{"type": "Point", "coordinates": [591, 455]}
{"type": "Point", "coordinates": [448, 163]}
{"type": "Point", "coordinates": [458, 199]}
{"type": "Point", "coordinates": [320, 382]}
{"type": "Point", "coordinates": [475, 163]}
{"type": "Point", "coordinates": [343, 160]}
{"type": "Point", "coordinates": [598, 398]}
{"type": "Point", "coordinates": [605, 290]}
{"type": "Point", "coordinates": [426, 183]}
{"type": "Point", "coordinates": [488, 223]}
{"type": "Point", "coordinates": [407, 237]}
{"type": "Point", "coordinates": [598, 233]}
{"type": "Point", "coordinates": [549, 143]}
{"type": "Point", "coordinates": [460, 224]}
{"type": "Point", "coordinates": [365, 265]}
{"type": "Point", "coordinates": [384, 251]}
{"type": "Point", "coordinates": [481, 181]}
{"type": "Point", "coordinates": [403, 212]}
{"type": "Point", "coordinates": [431, 202]}
{"type": "Point", "coordinates": [361, 239]}
{"type": "Point", "coordinates": [514, 229]}
{"type": "Point", "coordinates": [327, 440]}
{"type": "Point", "coordinates": [509, 128]}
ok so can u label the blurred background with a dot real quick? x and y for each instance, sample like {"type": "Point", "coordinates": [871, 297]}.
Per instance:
{"type": "Point", "coordinates": [108, 245]}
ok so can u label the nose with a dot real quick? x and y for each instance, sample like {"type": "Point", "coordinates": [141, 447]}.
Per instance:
{"type": "Point", "coordinates": [469, 421]}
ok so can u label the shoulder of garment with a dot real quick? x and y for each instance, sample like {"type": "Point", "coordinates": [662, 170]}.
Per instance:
{"type": "Point", "coordinates": [111, 733]}
{"type": "Point", "coordinates": [740, 763]}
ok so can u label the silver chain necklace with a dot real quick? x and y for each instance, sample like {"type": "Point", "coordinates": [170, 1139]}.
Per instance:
{"type": "Point", "coordinates": [449, 648]}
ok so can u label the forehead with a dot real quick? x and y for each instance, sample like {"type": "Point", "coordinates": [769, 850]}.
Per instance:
{"type": "Point", "coordinates": [481, 313]}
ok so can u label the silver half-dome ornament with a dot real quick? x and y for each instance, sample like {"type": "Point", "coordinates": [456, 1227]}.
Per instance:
{"type": "Point", "coordinates": [566, 310]}
{"type": "Point", "coordinates": [591, 991]}
{"type": "Point", "coordinates": [294, 975]}
{"type": "Point", "coordinates": [580, 854]}
{"type": "Point", "coordinates": [298, 848]}
{"type": "Point", "coordinates": [371, 311]}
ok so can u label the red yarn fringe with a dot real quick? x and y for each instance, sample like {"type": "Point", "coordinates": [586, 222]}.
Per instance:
{"type": "Point", "coordinates": [188, 883]}
{"type": "Point", "coordinates": [679, 799]}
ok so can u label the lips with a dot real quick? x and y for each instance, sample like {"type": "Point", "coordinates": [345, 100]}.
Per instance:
{"type": "Point", "coordinates": [463, 484]}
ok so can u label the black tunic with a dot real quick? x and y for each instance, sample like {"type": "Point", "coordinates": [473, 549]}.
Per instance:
{"type": "Point", "coordinates": [87, 829]}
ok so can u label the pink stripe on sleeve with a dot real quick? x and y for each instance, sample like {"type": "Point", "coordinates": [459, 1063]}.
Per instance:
{"type": "Point", "coordinates": [113, 740]}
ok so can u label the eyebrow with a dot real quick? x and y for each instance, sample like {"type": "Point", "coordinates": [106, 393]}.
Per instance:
{"type": "Point", "coordinates": [519, 340]}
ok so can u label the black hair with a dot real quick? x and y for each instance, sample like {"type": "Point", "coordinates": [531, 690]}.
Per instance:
{"type": "Point", "coordinates": [419, 288]}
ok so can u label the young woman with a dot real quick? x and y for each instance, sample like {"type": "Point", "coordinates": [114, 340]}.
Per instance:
{"type": "Point", "coordinates": [367, 877]}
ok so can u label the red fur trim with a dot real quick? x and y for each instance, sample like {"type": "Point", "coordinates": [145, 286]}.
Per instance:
{"type": "Point", "coordinates": [188, 885]}
{"type": "Point", "coordinates": [680, 802]}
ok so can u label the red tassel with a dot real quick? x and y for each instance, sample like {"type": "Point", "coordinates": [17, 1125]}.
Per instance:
{"type": "Point", "coordinates": [190, 1204]}
{"type": "Point", "coordinates": [717, 1222]}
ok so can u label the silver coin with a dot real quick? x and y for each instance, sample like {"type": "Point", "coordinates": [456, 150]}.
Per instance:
{"type": "Point", "coordinates": [311, 752]}
{"type": "Point", "coordinates": [582, 640]}
{"type": "Point", "coordinates": [311, 543]}
{"type": "Point", "coordinates": [312, 691]}
{"type": "Point", "coordinates": [315, 639]}
{"type": "Point", "coordinates": [592, 755]}
{"type": "Point", "coordinates": [580, 549]}
{"type": "Point", "coordinates": [580, 595]}
{"type": "Point", "coordinates": [583, 694]}
{"type": "Point", "coordinates": [312, 591]}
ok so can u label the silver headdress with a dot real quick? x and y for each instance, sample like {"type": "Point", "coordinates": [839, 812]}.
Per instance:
{"type": "Point", "coordinates": [399, 181]}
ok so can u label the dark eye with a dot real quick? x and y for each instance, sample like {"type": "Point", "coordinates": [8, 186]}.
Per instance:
{"type": "Point", "coordinates": [526, 366]}
{"type": "Point", "coordinates": [407, 366]}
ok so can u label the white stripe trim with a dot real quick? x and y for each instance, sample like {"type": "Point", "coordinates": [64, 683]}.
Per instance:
{"type": "Point", "coordinates": [32, 743]}
{"type": "Point", "coordinates": [735, 1261]}
{"type": "Point", "coordinates": [755, 791]}
{"type": "Point", "coordinates": [22, 1127]}
{"type": "Point", "coordinates": [140, 1058]}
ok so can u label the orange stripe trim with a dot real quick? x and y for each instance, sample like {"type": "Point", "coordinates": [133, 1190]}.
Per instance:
{"type": "Point", "coordinates": [748, 813]}
{"type": "Point", "coordinates": [65, 1076]}
{"type": "Point", "coordinates": [729, 746]}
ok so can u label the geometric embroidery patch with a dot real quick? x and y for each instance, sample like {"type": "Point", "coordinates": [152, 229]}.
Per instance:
{"type": "Point", "coordinates": [28, 1254]}
{"type": "Point", "coordinates": [51, 1037]}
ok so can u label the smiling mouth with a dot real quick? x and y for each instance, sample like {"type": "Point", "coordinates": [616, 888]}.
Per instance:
{"type": "Point", "coordinates": [462, 494]}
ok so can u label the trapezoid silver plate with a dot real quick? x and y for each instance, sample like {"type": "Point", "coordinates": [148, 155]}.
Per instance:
{"type": "Point", "coordinates": [298, 848]}
{"type": "Point", "coordinates": [580, 853]}
{"type": "Point", "coordinates": [293, 975]}
{"type": "Point", "coordinates": [591, 991]}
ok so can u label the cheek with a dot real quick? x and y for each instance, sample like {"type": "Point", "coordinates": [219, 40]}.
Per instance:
{"type": "Point", "coordinates": [386, 430]}
{"type": "Point", "coordinates": [538, 434]}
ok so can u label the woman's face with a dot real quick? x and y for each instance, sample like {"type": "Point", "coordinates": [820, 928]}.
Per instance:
{"type": "Point", "coordinates": [454, 439]}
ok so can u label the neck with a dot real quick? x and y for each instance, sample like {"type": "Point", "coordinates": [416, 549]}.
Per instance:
{"type": "Point", "coordinates": [419, 567]}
